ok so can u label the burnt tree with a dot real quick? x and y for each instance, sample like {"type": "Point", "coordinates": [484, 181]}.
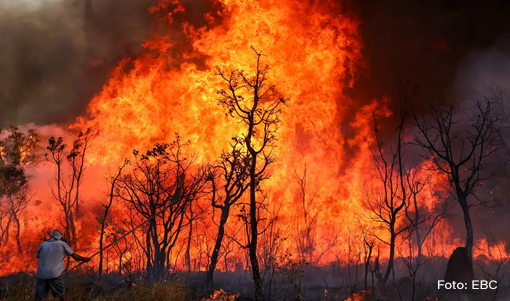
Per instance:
{"type": "Point", "coordinates": [501, 114]}
{"type": "Point", "coordinates": [422, 220]}
{"type": "Point", "coordinates": [156, 183]}
{"type": "Point", "coordinates": [309, 249]}
{"type": "Point", "coordinates": [70, 169]}
{"type": "Point", "coordinates": [390, 199]}
{"type": "Point", "coordinates": [460, 151]}
{"type": "Point", "coordinates": [257, 105]}
{"type": "Point", "coordinates": [496, 188]}
{"type": "Point", "coordinates": [102, 220]}
{"type": "Point", "coordinates": [229, 181]}
{"type": "Point", "coordinates": [193, 215]}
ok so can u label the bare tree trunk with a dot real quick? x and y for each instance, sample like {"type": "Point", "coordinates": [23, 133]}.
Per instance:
{"type": "Point", "coordinates": [78, 182]}
{"type": "Point", "coordinates": [101, 244]}
{"type": "Point", "coordinates": [469, 227]}
{"type": "Point", "coordinates": [18, 232]}
{"type": "Point", "coordinates": [389, 269]}
{"type": "Point", "coordinates": [72, 227]}
{"type": "Point", "coordinates": [120, 264]}
{"type": "Point", "coordinates": [7, 232]}
{"type": "Point", "coordinates": [419, 245]}
{"type": "Point", "coordinates": [259, 293]}
{"type": "Point", "coordinates": [14, 216]}
{"type": "Point", "coordinates": [461, 153]}
{"type": "Point", "coordinates": [103, 221]}
{"type": "Point", "coordinates": [367, 263]}
{"type": "Point", "coordinates": [188, 247]}
{"type": "Point", "coordinates": [221, 233]}
{"type": "Point", "coordinates": [261, 116]}
{"type": "Point", "coordinates": [107, 262]}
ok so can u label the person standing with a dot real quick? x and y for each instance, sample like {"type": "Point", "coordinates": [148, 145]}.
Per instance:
{"type": "Point", "coordinates": [51, 255]}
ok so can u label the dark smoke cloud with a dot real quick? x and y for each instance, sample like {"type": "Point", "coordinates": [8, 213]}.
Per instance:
{"type": "Point", "coordinates": [485, 73]}
{"type": "Point", "coordinates": [424, 41]}
{"type": "Point", "coordinates": [55, 54]}
{"type": "Point", "coordinates": [454, 51]}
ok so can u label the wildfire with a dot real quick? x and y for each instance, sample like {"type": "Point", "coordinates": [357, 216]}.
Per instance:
{"type": "Point", "coordinates": [314, 52]}
{"type": "Point", "coordinates": [221, 295]}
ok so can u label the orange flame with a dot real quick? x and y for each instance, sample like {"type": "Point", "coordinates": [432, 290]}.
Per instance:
{"type": "Point", "coordinates": [313, 51]}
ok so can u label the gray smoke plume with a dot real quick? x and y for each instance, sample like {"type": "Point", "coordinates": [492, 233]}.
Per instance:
{"type": "Point", "coordinates": [485, 74]}
{"type": "Point", "coordinates": [55, 54]}
{"type": "Point", "coordinates": [484, 71]}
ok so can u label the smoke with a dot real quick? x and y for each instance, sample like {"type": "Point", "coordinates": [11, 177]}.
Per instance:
{"type": "Point", "coordinates": [485, 71]}
{"type": "Point", "coordinates": [57, 53]}
{"type": "Point", "coordinates": [484, 74]}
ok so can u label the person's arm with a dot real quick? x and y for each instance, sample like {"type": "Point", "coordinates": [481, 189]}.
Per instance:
{"type": "Point", "coordinates": [80, 258]}
{"type": "Point", "coordinates": [75, 256]}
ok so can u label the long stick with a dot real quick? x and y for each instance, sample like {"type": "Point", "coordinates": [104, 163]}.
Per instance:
{"type": "Point", "coordinates": [175, 199]}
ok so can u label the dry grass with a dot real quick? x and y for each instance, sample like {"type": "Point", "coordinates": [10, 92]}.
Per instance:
{"type": "Point", "coordinates": [81, 290]}
{"type": "Point", "coordinates": [162, 291]}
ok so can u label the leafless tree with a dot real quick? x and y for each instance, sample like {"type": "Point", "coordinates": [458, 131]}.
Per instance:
{"type": "Point", "coordinates": [501, 115]}
{"type": "Point", "coordinates": [388, 202]}
{"type": "Point", "coordinates": [154, 185]}
{"type": "Point", "coordinates": [354, 245]}
{"type": "Point", "coordinates": [229, 181]}
{"type": "Point", "coordinates": [120, 245]}
{"type": "Point", "coordinates": [422, 221]}
{"type": "Point", "coordinates": [257, 105]}
{"type": "Point", "coordinates": [18, 202]}
{"type": "Point", "coordinates": [271, 250]}
{"type": "Point", "coordinates": [368, 241]}
{"type": "Point", "coordinates": [5, 222]}
{"type": "Point", "coordinates": [194, 214]}
{"type": "Point", "coordinates": [460, 151]}
{"type": "Point", "coordinates": [496, 189]}
{"type": "Point", "coordinates": [129, 257]}
{"type": "Point", "coordinates": [134, 247]}
{"type": "Point", "coordinates": [306, 222]}
{"type": "Point", "coordinates": [102, 220]}
{"type": "Point", "coordinates": [69, 177]}
{"type": "Point", "coordinates": [494, 270]}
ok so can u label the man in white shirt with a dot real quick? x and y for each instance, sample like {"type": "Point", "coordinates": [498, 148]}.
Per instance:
{"type": "Point", "coordinates": [51, 255]}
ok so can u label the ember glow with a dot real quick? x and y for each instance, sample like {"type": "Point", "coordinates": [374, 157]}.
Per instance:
{"type": "Point", "coordinates": [314, 52]}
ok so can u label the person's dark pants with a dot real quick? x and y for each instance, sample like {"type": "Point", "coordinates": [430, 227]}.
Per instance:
{"type": "Point", "coordinates": [44, 286]}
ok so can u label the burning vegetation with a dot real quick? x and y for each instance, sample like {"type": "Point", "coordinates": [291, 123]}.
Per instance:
{"type": "Point", "coordinates": [213, 166]}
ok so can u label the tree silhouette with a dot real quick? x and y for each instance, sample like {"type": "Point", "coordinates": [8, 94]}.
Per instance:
{"type": "Point", "coordinates": [17, 151]}
{"type": "Point", "coordinates": [460, 151]}
{"type": "Point", "coordinates": [229, 181]}
{"type": "Point", "coordinates": [256, 104]}
{"type": "Point", "coordinates": [70, 168]}
{"type": "Point", "coordinates": [156, 183]}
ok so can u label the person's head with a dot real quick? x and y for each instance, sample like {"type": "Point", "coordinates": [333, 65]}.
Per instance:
{"type": "Point", "coordinates": [56, 234]}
